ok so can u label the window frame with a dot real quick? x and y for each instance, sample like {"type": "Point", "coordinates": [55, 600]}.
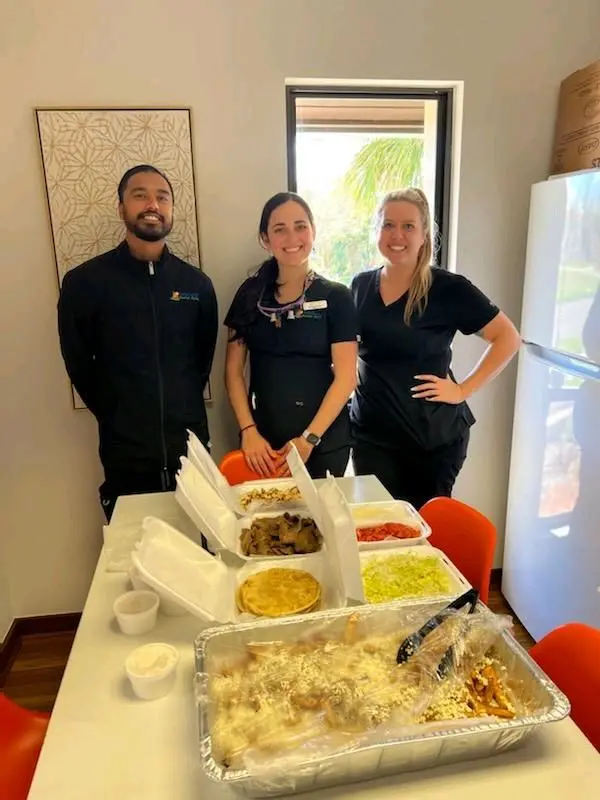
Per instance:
{"type": "Point", "coordinates": [444, 96]}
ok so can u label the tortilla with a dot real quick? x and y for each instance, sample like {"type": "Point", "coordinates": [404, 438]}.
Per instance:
{"type": "Point", "coordinates": [278, 592]}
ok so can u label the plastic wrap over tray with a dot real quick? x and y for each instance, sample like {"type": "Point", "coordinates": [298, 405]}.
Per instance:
{"type": "Point", "coordinates": [412, 748]}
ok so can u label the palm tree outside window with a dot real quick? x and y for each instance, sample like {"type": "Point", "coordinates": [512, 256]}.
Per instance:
{"type": "Point", "coordinates": [347, 147]}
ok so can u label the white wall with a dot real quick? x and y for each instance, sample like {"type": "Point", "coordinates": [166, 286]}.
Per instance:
{"type": "Point", "coordinates": [228, 60]}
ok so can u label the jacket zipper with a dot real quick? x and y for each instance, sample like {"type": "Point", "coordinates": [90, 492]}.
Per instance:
{"type": "Point", "coordinates": [164, 477]}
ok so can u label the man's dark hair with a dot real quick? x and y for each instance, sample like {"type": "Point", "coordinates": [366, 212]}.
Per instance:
{"type": "Point", "coordinates": [134, 171]}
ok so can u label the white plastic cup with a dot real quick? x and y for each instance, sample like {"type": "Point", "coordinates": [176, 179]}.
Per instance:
{"type": "Point", "coordinates": [136, 611]}
{"type": "Point", "coordinates": [152, 670]}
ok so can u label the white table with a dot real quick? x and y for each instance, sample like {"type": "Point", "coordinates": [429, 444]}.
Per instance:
{"type": "Point", "coordinates": [103, 744]}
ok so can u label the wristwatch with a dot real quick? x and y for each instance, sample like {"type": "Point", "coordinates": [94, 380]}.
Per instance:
{"type": "Point", "coordinates": [311, 438]}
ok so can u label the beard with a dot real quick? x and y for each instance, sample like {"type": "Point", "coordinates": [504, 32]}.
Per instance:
{"type": "Point", "coordinates": [148, 232]}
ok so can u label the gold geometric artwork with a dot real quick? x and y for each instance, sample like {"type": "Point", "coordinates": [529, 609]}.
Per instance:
{"type": "Point", "coordinates": [85, 152]}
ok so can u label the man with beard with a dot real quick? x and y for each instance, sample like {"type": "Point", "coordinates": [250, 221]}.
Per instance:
{"type": "Point", "coordinates": [138, 328]}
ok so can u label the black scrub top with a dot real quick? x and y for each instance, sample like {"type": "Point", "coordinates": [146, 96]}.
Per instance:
{"type": "Point", "coordinates": [291, 366]}
{"type": "Point", "coordinates": [391, 353]}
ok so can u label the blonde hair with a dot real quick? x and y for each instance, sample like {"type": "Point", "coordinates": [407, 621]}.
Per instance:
{"type": "Point", "coordinates": [420, 282]}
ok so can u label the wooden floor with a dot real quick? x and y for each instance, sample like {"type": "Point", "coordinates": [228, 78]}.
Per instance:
{"type": "Point", "coordinates": [498, 605]}
{"type": "Point", "coordinates": [35, 675]}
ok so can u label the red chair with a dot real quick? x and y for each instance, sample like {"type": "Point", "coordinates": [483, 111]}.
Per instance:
{"type": "Point", "coordinates": [234, 468]}
{"type": "Point", "coordinates": [570, 656]}
{"type": "Point", "coordinates": [466, 536]}
{"type": "Point", "coordinates": [22, 734]}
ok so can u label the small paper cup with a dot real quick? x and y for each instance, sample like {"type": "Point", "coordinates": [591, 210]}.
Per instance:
{"type": "Point", "coordinates": [136, 611]}
{"type": "Point", "coordinates": [152, 669]}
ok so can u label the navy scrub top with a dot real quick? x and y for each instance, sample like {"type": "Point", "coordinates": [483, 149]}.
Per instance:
{"type": "Point", "coordinates": [290, 366]}
{"type": "Point", "coordinates": [391, 353]}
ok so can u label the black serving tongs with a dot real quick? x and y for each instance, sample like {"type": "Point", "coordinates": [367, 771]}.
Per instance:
{"type": "Point", "coordinates": [412, 643]}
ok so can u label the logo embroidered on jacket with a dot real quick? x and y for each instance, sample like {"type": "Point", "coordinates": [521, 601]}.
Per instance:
{"type": "Point", "coordinates": [190, 296]}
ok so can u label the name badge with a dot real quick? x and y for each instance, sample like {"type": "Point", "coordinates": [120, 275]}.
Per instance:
{"type": "Point", "coordinates": [314, 305]}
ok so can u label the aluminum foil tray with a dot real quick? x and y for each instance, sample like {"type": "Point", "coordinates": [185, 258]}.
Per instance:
{"type": "Point", "coordinates": [426, 750]}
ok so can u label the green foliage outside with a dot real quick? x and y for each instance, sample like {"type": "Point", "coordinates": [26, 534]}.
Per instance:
{"type": "Point", "coordinates": [345, 242]}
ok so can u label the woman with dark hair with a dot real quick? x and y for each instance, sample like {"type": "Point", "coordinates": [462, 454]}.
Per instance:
{"type": "Point", "coordinates": [300, 332]}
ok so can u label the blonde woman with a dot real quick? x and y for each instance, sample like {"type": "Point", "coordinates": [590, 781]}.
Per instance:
{"type": "Point", "coordinates": [410, 418]}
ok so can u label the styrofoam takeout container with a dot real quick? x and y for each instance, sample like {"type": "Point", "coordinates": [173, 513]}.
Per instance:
{"type": "Point", "coordinates": [221, 527]}
{"type": "Point", "coordinates": [231, 495]}
{"type": "Point", "coordinates": [393, 511]}
{"type": "Point", "coordinates": [215, 518]}
{"type": "Point", "coordinates": [184, 573]}
{"type": "Point", "coordinates": [246, 522]}
{"type": "Point", "coordinates": [458, 583]}
{"type": "Point", "coordinates": [136, 611]}
{"type": "Point", "coordinates": [256, 506]}
{"type": "Point", "coordinates": [166, 607]}
{"type": "Point", "coordinates": [152, 669]}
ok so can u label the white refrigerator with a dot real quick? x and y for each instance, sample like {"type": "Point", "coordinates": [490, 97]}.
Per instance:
{"type": "Point", "coordinates": [551, 571]}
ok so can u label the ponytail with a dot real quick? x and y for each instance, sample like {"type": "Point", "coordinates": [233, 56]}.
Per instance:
{"type": "Point", "coordinates": [244, 310]}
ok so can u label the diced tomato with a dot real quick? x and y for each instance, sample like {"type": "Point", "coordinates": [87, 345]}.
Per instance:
{"type": "Point", "coordinates": [389, 530]}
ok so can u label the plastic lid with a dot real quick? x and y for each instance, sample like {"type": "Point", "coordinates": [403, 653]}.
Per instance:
{"type": "Point", "coordinates": [306, 484]}
{"type": "Point", "coordinates": [205, 507]}
{"type": "Point", "coordinates": [184, 572]}
{"type": "Point", "coordinates": [340, 534]}
{"type": "Point", "coordinates": [201, 459]}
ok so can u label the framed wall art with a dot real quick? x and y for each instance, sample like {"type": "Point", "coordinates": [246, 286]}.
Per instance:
{"type": "Point", "coordinates": [85, 151]}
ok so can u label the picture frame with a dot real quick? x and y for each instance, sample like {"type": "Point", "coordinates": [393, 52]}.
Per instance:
{"type": "Point", "coordinates": [85, 152]}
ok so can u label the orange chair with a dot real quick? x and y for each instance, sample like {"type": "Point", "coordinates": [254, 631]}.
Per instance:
{"type": "Point", "coordinates": [570, 656]}
{"type": "Point", "coordinates": [466, 536]}
{"type": "Point", "coordinates": [234, 468]}
{"type": "Point", "coordinates": [22, 734]}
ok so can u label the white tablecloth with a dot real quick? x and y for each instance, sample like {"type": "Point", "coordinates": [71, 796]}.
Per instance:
{"type": "Point", "coordinates": [104, 744]}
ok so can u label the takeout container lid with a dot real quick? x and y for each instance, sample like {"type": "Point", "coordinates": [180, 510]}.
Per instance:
{"type": "Point", "coordinates": [213, 515]}
{"type": "Point", "coordinates": [184, 572]}
{"type": "Point", "coordinates": [230, 495]}
{"type": "Point", "coordinates": [205, 507]}
{"type": "Point", "coordinates": [199, 456]}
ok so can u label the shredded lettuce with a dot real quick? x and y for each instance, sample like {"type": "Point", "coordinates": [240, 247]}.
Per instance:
{"type": "Point", "coordinates": [387, 578]}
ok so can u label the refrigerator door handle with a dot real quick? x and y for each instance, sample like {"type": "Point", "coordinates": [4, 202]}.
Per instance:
{"type": "Point", "coordinates": [578, 365]}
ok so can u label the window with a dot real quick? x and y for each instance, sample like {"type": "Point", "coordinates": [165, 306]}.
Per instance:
{"type": "Point", "coordinates": [347, 147]}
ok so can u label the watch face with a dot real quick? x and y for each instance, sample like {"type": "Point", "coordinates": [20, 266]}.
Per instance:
{"type": "Point", "coordinates": [313, 439]}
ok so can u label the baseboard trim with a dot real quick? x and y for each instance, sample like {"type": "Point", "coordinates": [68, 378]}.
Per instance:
{"type": "Point", "coordinates": [28, 626]}
{"type": "Point", "coordinates": [64, 623]}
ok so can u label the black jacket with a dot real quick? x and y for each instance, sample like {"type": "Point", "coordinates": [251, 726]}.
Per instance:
{"type": "Point", "coordinates": [138, 340]}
